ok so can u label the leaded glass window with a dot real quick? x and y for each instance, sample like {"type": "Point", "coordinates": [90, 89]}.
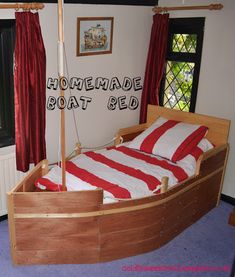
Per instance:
{"type": "Point", "coordinates": [184, 43]}
{"type": "Point", "coordinates": [178, 85]}
{"type": "Point", "coordinates": [181, 76]}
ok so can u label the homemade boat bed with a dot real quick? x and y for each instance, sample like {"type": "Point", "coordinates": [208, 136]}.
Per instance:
{"type": "Point", "coordinates": [76, 227]}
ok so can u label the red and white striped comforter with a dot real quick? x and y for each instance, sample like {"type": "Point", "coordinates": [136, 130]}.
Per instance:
{"type": "Point", "coordinates": [122, 173]}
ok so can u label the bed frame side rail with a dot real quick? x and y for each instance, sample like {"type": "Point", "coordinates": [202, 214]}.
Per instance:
{"type": "Point", "coordinates": [129, 133]}
{"type": "Point", "coordinates": [27, 184]}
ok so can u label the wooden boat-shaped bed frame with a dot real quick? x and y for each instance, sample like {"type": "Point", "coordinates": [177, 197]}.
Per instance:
{"type": "Point", "coordinates": [76, 227]}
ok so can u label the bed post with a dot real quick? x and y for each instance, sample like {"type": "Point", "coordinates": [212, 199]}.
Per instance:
{"type": "Point", "coordinates": [11, 224]}
{"type": "Point", "coordinates": [164, 184]}
{"type": "Point", "coordinates": [78, 149]}
{"type": "Point", "coordinates": [118, 139]}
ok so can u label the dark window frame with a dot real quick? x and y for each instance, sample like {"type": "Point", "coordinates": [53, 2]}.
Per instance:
{"type": "Point", "coordinates": [185, 26]}
{"type": "Point", "coordinates": [7, 42]}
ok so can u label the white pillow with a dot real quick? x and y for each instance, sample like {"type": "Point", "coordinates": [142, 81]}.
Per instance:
{"type": "Point", "coordinates": [169, 139]}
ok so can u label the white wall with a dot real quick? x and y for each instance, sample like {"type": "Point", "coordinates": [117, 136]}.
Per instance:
{"type": "Point", "coordinates": [217, 83]}
{"type": "Point", "coordinates": [131, 35]}
{"type": "Point", "coordinates": [132, 26]}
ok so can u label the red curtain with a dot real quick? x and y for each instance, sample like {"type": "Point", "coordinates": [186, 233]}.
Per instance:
{"type": "Point", "coordinates": [155, 63]}
{"type": "Point", "coordinates": [30, 91]}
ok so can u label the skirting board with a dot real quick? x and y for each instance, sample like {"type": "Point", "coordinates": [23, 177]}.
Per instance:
{"type": "Point", "coordinates": [228, 199]}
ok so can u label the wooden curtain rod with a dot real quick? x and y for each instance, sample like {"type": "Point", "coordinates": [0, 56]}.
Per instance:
{"type": "Point", "coordinates": [24, 6]}
{"type": "Point", "coordinates": [208, 7]}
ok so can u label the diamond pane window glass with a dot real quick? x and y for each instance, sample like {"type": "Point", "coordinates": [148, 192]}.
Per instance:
{"type": "Point", "coordinates": [180, 79]}
{"type": "Point", "coordinates": [184, 43]}
{"type": "Point", "coordinates": [178, 85]}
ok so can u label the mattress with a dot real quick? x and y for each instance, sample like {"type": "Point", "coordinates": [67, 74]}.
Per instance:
{"type": "Point", "coordinates": [123, 173]}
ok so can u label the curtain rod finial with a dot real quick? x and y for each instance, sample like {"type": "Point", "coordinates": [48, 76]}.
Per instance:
{"type": "Point", "coordinates": [216, 7]}
{"type": "Point", "coordinates": [157, 9]}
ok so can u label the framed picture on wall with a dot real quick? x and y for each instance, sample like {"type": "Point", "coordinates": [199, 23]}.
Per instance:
{"type": "Point", "coordinates": [94, 35]}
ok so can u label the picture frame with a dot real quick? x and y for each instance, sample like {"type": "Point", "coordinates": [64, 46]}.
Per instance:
{"type": "Point", "coordinates": [94, 35]}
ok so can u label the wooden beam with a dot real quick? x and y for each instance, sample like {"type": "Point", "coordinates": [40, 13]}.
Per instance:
{"type": "Point", "coordinates": [61, 75]}
{"type": "Point", "coordinates": [11, 224]}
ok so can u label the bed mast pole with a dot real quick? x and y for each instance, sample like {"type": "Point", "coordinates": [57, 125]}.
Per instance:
{"type": "Point", "coordinates": [61, 75]}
